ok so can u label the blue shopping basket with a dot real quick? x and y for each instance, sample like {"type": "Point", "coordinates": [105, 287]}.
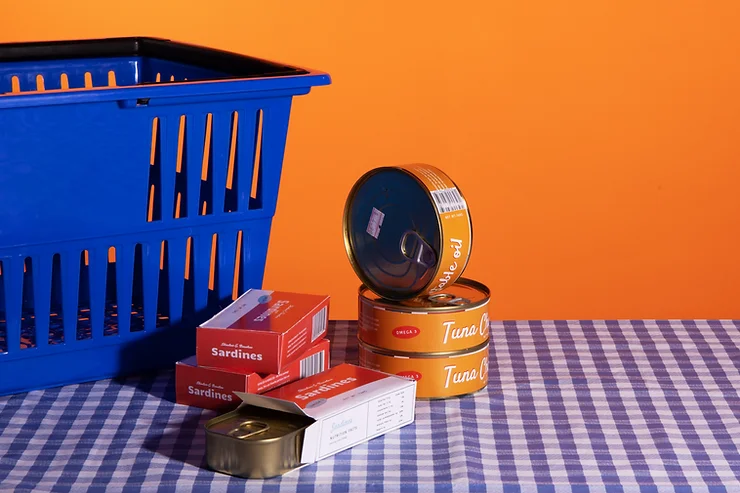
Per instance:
{"type": "Point", "coordinates": [138, 181]}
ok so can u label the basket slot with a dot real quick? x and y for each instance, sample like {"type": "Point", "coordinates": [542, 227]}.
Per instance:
{"type": "Point", "coordinates": [154, 189]}
{"type": "Point", "coordinates": [40, 85]}
{"type": "Point", "coordinates": [56, 317]}
{"type": "Point", "coordinates": [47, 81]}
{"type": "Point", "coordinates": [181, 185]}
{"type": "Point", "coordinates": [84, 323]}
{"type": "Point", "coordinates": [110, 322]}
{"type": "Point", "coordinates": [150, 274]}
{"type": "Point", "coordinates": [255, 192]}
{"type": "Point", "coordinates": [188, 312]}
{"type": "Point", "coordinates": [244, 163]}
{"type": "Point", "coordinates": [176, 278]}
{"type": "Point", "coordinates": [201, 271]}
{"type": "Point", "coordinates": [41, 296]}
{"type": "Point", "coordinates": [239, 266]}
{"type": "Point", "coordinates": [206, 185]}
{"type": "Point", "coordinates": [13, 281]}
{"type": "Point", "coordinates": [220, 157]}
{"type": "Point", "coordinates": [98, 269]}
{"type": "Point", "coordinates": [274, 136]}
{"type": "Point", "coordinates": [56, 285]}
{"type": "Point", "coordinates": [136, 320]}
{"type": "Point", "coordinates": [28, 313]}
{"type": "Point", "coordinates": [195, 132]}
{"type": "Point", "coordinates": [169, 131]}
{"type": "Point", "coordinates": [226, 263]}
{"type": "Point", "coordinates": [124, 266]}
{"type": "Point", "coordinates": [213, 271]}
{"type": "Point", "coordinates": [231, 198]}
{"type": "Point", "coordinates": [70, 269]}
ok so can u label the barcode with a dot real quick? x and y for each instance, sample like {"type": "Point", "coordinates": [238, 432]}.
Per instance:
{"type": "Point", "coordinates": [312, 365]}
{"type": "Point", "coordinates": [319, 324]}
{"type": "Point", "coordinates": [448, 200]}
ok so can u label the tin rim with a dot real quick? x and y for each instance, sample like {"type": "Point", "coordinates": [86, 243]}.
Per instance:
{"type": "Point", "coordinates": [390, 306]}
{"type": "Point", "coordinates": [426, 355]}
{"type": "Point", "coordinates": [349, 248]}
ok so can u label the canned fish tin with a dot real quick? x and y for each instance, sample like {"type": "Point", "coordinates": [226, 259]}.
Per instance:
{"type": "Point", "coordinates": [455, 319]}
{"type": "Point", "coordinates": [254, 442]}
{"type": "Point", "coordinates": [407, 231]}
{"type": "Point", "coordinates": [438, 376]}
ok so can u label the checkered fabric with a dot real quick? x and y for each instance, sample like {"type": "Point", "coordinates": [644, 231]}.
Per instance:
{"type": "Point", "coordinates": [579, 406]}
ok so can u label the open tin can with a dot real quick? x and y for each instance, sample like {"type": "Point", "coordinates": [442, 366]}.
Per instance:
{"type": "Point", "coordinates": [254, 442]}
{"type": "Point", "coordinates": [407, 231]}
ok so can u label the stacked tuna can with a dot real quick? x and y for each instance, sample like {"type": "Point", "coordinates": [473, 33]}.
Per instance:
{"type": "Point", "coordinates": [408, 235]}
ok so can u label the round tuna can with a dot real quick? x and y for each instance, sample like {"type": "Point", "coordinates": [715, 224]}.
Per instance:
{"type": "Point", "coordinates": [438, 376]}
{"type": "Point", "coordinates": [454, 319]}
{"type": "Point", "coordinates": [407, 231]}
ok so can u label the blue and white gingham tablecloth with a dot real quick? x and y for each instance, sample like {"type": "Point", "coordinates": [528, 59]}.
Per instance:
{"type": "Point", "coordinates": [582, 406]}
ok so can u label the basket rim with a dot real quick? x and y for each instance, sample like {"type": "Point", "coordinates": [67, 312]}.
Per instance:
{"type": "Point", "coordinates": [243, 73]}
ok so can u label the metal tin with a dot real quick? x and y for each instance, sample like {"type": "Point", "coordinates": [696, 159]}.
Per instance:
{"type": "Point", "coordinates": [407, 231]}
{"type": "Point", "coordinates": [455, 319]}
{"type": "Point", "coordinates": [438, 376]}
{"type": "Point", "coordinates": [253, 442]}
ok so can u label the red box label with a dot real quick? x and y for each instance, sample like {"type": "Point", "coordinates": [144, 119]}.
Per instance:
{"type": "Point", "coordinates": [262, 331]}
{"type": "Point", "coordinates": [338, 380]}
{"type": "Point", "coordinates": [213, 388]}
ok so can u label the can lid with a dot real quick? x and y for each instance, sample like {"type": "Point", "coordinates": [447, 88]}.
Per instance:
{"type": "Point", "coordinates": [465, 294]}
{"type": "Point", "coordinates": [392, 233]}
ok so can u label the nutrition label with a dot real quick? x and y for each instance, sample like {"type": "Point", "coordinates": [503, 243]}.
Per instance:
{"type": "Point", "coordinates": [389, 412]}
{"type": "Point", "coordinates": [355, 425]}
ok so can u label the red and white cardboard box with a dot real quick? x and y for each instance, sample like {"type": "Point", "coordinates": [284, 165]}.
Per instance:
{"type": "Point", "coordinates": [262, 331]}
{"type": "Point", "coordinates": [213, 388]}
{"type": "Point", "coordinates": [350, 405]}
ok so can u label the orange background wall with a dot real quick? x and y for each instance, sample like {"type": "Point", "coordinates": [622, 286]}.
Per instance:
{"type": "Point", "coordinates": [597, 143]}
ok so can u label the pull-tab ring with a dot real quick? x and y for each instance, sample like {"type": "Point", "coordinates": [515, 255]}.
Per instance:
{"type": "Point", "coordinates": [414, 248]}
{"type": "Point", "coordinates": [448, 299]}
{"type": "Point", "coordinates": [248, 429]}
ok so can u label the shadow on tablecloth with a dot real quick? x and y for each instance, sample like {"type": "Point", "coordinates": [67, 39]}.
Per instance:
{"type": "Point", "coordinates": [182, 441]}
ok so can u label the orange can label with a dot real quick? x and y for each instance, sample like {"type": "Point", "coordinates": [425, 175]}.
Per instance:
{"type": "Point", "coordinates": [455, 224]}
{"type": "Point", "coordinates": [438, 377]}
{"type": "Point", "coordinates": [422, 331]}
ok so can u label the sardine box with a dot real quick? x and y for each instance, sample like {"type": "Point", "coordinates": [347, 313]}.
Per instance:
{"type": "Point", "coordinates": [213, 388]}
{"type": "Point", "coordinates": [349, 405]}
{"type": "Point", "coordinates": [262, 331]}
